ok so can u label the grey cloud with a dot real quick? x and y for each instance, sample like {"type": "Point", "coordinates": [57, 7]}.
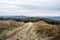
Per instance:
{"type": "Point", "coordinates": [8, 8]}
{"type": "Point", "coordinates": [34, 7]}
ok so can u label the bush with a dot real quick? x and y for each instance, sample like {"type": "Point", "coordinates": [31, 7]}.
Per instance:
{"type": "Point", "coordinates": [47, 31]}
{"type": "Point", "coordinates": [9, 25]}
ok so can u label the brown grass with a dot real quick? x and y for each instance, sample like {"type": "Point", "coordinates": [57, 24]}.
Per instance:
{"type": "Point", "coordinates": [46, 30]}
{"type": "Point", "coordinates": [42, 29]}
{"type": "Point", "coordinates": [9, 24]}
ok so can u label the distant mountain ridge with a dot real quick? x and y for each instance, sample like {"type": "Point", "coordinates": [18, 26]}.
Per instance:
{"type": "Point", "coordinates": [21, 16]}
{"type": "Point", "coordinates": [51, 17]}
{"type": "Point", "coordinates": [56, 18]}
{"type": "Point", "coordinates": [14, 17]}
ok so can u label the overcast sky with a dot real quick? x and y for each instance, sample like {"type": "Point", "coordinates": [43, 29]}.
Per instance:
{"type": "Point", "coordinates": [30, 7]}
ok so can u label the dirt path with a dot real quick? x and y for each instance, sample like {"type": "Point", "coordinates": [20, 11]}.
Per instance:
{"type": "Point", "coordinates": [18, 33]}
{"type": "Point", "coordinates": [25, 33]}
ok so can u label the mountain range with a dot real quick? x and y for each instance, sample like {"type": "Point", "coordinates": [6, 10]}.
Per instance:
{"type": "Point", "coordinates": [54, 17]}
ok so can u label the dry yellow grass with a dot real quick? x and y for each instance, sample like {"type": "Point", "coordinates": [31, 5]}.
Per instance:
{"type": "Point", "coordinates": [9, 24]}
{"type": "Point", "coordinates": [36, 31]}
{"type": "Point", "coordinates": [46, 30]}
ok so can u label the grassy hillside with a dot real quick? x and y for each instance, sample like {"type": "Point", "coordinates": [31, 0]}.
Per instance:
{"type": "Point", "coordinates": [8, 25]}
{"type": "Point", "coordinates": [44, 30]}
{"type": "Point", "coordinates": [42, 27]}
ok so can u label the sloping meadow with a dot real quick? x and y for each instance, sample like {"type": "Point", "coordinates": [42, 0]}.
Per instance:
{"type": "Point", "coordinates": [8, 25]}
{"type": "Point", "coordinates": [46, 31]}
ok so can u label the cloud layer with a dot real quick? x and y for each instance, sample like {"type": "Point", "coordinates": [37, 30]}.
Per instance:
{"type": "Point", "coordinates": [30, 7]}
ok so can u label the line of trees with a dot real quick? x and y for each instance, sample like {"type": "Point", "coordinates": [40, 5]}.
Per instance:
{"type": "Point", "coordinates": [33, 19]}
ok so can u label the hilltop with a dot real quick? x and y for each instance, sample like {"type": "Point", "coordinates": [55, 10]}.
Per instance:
{"type": "Point", "coordinates": [31, 28]}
